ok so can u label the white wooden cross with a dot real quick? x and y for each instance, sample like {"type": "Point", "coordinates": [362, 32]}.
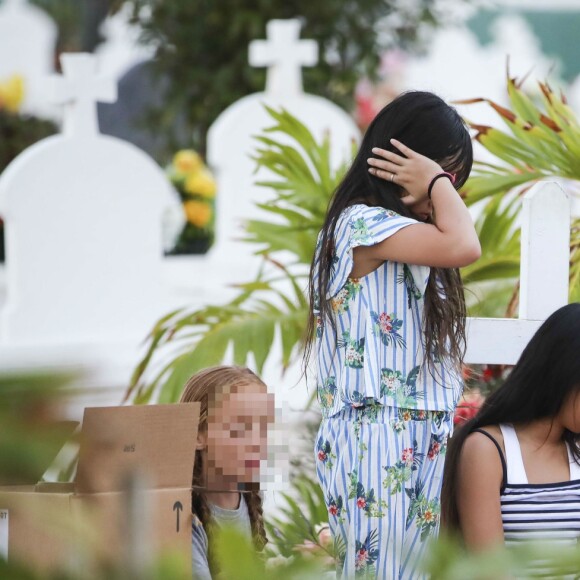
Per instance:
{"type": "Point", "coordinates": [79, 90]}
{"type": "Point", "coordinates": [544, 279]}
{"type": "Point", "coordinates": [284, 55]}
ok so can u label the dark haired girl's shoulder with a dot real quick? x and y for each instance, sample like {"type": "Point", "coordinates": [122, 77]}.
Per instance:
{"type": "Point", "coordinates": [477, 441]}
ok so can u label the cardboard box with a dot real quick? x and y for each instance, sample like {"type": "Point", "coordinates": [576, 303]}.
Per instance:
{"type": "Point", "coordinates": [131, 497]}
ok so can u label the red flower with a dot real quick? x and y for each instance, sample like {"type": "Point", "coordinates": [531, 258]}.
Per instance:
{"type": "Point", "coordinates": [332, 509]}
{"type": "Point", "coordinates": [321, 455]}
{"type": "Point", "coordinates": [434, 450]}
{"type": "Point", "coordinates": [385, 322]}
{"type": "Point", "coordinates": [487, 375]}
{"type": "Point", "coordinates": [468, 407]}
{"type": "Point", "coordinates": [361, 502]}
{"type": "Point", "coordinates": [407, 455]}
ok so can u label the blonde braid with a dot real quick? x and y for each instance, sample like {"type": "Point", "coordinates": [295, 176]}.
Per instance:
{"type": "Point", "coordinates": [256, 513]}
{"type": "Point", "coordinates": [200, 508]}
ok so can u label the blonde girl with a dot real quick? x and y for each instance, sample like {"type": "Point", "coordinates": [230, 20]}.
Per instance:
{"type": "Point", "coordinates": [236, 410]}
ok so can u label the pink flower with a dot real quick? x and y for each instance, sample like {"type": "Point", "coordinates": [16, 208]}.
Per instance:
{"type": "Point", "coordinates": [385, 322]}
{"type": "Point", "coordinates": [361, 558]}
{"type": "Point", "coordinates": [361, 502]}
{"type": "Point", "coordinates": [407, 456]}
{"type": "Point", "coordinates": [321, 455]}
{"type": "Point", "coordinates": [468, 407]}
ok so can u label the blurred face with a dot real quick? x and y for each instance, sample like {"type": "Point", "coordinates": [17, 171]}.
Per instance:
{"type": "Point", "coordinates": [237, 437]}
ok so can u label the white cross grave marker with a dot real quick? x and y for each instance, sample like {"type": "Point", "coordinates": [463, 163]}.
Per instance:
{"type": "Point", "coordinates": [544, 279]}
{"type": "Point", "coordinates": [83, 214]}
{"type": "Point", "coordinates": [79, 90]}
{"type": "Point", "coordinates": [231, 143]}
{"type": "Point", "coordinates": [284, 55]}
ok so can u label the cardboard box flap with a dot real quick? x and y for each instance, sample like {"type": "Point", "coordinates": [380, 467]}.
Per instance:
{"type": "Point", "coordinates": [157, 441]}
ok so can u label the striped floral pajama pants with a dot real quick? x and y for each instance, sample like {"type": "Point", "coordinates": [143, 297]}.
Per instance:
{"type": "Point", "coordinates": [381, 470]}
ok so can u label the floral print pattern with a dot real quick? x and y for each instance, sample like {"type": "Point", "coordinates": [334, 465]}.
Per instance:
{"type": "Point", "coordinates": [325, 454]}
{"type": "Point", "coordinates": [335, 507]}
{"type": "Point", "coordinates": [386, 327]}
{"type": "Point", "coordinates": [397, 475]}
{"type": "Point", "coordinates": [360, 235]}
{"type": "Point", "coordinates": [355, 349]}
{"type": "Point", "coordinates": [348, 293]}
{"type": "Point", "coordinates": [413, 292]}
{"type": "Point", "coordinates": [366, 554]}
{"type": "Point", "coordinates": [399, 497]}
{"type": "Point", "coordinates": [427, 511]}
{"type": "Point", "coordinates": [326, 392]}
{"type": "Point", "coordinates": [365, 501]}
{"type": "Point", "coordinates": [400, 389]}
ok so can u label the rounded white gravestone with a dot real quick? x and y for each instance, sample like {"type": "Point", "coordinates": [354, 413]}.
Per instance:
{"type": "Point", "coordinates": [231, 143]}
{"type": "Point", "coordinates": [27, 43]}
{"type": "Point", "coordinates": [230, 146]}
{"type": "Point", "coordinates": [83, 217]}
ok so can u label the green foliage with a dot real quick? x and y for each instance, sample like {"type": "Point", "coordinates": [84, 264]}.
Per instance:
{"type": "Point", "coordinates": [68, 15]}
{"type": "Point", "coordinates": [276, 299]}
{"type": "Point", "coordinates": [30, 437]}
{"type": "Point", "coordinates": [500, 243]}
{"type": "Point", "coordinates": [448, 560]}
{"type": "Point", "coordinates": [203, 49]}
{"type": "Point", "coordinates": [19, 132]}
{"type": "Point", "coordinates": [305, 511]}
{"type": "Point", "coordinates": [541, 141]}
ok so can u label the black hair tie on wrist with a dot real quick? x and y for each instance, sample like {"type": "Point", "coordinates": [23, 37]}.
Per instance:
{"type": "Point", "coordinates": [449, 176]}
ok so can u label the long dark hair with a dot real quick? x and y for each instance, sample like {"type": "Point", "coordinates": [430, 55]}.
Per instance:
{"type": "Point", "coordinates": [547, 372]}
{"type": "Point", "coordinates": [429, 126]}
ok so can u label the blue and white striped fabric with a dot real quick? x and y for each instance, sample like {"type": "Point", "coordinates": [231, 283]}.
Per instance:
{"type": "Point", "coordinates": [533, 512]}
{"type": "Point", "coordinates": [377, 352]}
{"type": "Point", "coordinates": [381, 470]}
{"type": "Point", "coordinates": [386, 416]}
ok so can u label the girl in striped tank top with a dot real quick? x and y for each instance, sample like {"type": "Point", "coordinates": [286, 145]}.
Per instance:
{"type": "Point", "coordinates": [513, 472]}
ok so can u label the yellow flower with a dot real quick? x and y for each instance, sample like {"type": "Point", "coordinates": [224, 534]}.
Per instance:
{"type": "Point", "coordinates": [200, 183]}
{"type": "Point", "coordinates": [12, 93]}
{"type": "Point", "coordinates": [187, 161]}
{"type": "Point", "coordinates": [197, 213]}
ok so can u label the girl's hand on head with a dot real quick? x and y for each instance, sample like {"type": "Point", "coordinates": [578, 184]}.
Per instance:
{"type": "Point", "coordinates": [413, 171]}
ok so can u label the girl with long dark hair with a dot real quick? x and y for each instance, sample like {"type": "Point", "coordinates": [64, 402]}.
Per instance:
{"type": "Point", "coordinates": [513, 472]}
{"type": "Point", "coordinates": [387, 323]}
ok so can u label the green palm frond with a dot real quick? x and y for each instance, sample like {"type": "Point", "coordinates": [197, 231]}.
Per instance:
{"type": "Point", "coordinates": [541, 141]}
{"type": "Point", "coordinates": [302, 183]}
{"type": "Point", "coordinates": [500, 243]}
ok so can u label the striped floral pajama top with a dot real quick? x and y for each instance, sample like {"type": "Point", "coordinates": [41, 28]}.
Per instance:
{"type": "Point", "coordinates": [386, 416]}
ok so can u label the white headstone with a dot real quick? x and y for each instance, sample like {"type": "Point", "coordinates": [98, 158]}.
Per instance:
{"type": "Point", "coordinates": [27, 48]}
{"type": "Point", "coordinates": [83, 217]}
{"type": "Point", "coordinates": [231, 143]}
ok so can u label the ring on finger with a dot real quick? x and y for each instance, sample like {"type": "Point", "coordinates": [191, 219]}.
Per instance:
{"type": "Point", "coordinates": [392, 178]}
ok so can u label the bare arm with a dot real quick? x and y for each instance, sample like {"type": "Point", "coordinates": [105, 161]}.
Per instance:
{"type": "Point", "coordinates": [451, 242]}
{"type": "Point", "coordinates": [478, 494]}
